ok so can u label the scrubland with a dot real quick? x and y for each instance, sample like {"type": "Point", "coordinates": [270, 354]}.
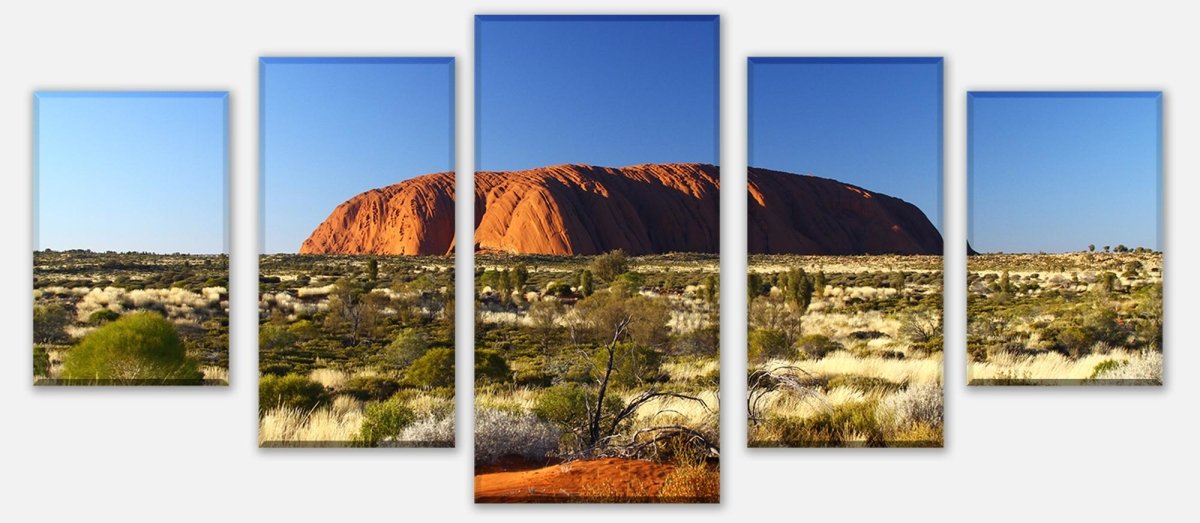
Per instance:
{"type": "Point", "coordinates": [1088, 318]}
{"type": "Point", "coordinates": [356, 351]}
{"type": "Point", "coordinates": [845, 351]}
{"type": "Point", "coordinates": [90, 310]}
{"type": "Point", "coordinates": [606, 365]}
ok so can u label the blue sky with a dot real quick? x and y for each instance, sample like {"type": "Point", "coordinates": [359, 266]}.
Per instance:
{"type": "Point", "coordinates": [609, 91]}
{"type": "Point", "coordinates": [1055, 172]}
{"type": "Point", "coordinates": [131, 171]}
{"type": "Point", "coordinates": [334, 128]}
{"type": "Point", "coordinates": [874, 123]}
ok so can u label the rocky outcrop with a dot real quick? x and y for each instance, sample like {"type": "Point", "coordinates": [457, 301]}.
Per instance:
{"type": "Point", "coordinates": [797, 214]}
{"type": "Point", "coordinates": [642, 209]}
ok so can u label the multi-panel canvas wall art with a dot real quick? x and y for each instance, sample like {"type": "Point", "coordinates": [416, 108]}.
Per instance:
{"type": "Point", "coordinates": [1065, 268]}
{"type": "Point", "coordinates": [596, 241]}
{"type": "Point", "coordinates": [356, 279]}
{"type": "Point", "coordinates": [130, 265]}
{"type": "Point", "coordinates": [845, 268]}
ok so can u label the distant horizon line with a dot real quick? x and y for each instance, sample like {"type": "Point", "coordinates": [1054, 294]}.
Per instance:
{"type": "Point", "coordinates": [112, 251]}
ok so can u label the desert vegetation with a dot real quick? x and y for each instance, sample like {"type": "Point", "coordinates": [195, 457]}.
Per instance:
{"type": "Point", "coordinates": [599, 367]}
{"type": "Point", "coordinates": [107, 318]}
{"type": "Point", "coordinates": [1085, 318]}
{"type": "Point", "coordinates": [845, 351]}
{"type": "Point", "coordinates": [356, 350]}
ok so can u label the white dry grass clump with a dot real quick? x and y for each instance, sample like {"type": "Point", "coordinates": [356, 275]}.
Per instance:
{"type": "Point", "coordinates": [76, 331]}
{"type": "Point", "coordinates": [498, 317]}
{"type": "Point", "coordinates": [178, 303]}
{"type": "Point", "coordinates": [330, 378]}
{"type": "Point", "coordinates": [428, 405]}
{"type": "Point", "coordinates": [499, 434]}
{"type": "Point", "coordinates": [429, 429]}
{"type": "Point", "coordinates": [918, 404]}
{"type": "Point", "coordinates": [1147, 365]}
{"type": "Point", "coordinates": [212, 372]}
{"type": "Point", "coordinates": [305, 292]}
{"type": "Point", "coordinates": [685, 320]}
{"type": "Point", "coordinates": [1049, 366]}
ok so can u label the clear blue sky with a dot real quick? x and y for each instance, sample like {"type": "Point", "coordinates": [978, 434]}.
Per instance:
{"type": "Point", "coordinates": [874, 123]}
{"type": "Point", "coordinates": [1055, 172]}
{"type": "Point", "coordinates": [131, 171]}
{"type": "Point", "coordinates": [610, 91]}
{"type": "Point", "coordinates": [333, 128]}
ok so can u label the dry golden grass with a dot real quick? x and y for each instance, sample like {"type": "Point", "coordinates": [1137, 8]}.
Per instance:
{"type": "Point", "coordinates": [910, 370]}
{"type": "Point", "coordinates": [695, 483]}
{"type": "Point", "coordinates": [690, 369]}
{"type": "Point", "coordinates": [520, 399]}
{"type": "Point", "coordinates": [338, 423]}
{"type": "Point", "coordinates": [215, 373]}
{"type": "Point", "coordinates": [1046, 366]}
{"type": "Point", "coordinates": [330, 378]}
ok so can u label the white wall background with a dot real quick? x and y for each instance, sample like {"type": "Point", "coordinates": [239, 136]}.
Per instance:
{"type": "Point", "coordinates": [191, 454]}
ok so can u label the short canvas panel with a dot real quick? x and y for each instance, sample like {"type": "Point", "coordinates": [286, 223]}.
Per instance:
{"type": "Point", "coordinates": [596, 267]}
{"type": "Point", "coordinates": [845, 270]}
{"type": "Point", "coordinates": [1065, 269]}
{"type": "Point", "coordinates": [356, 276]}
{"type": "Point", "coordinates": [130, 265]}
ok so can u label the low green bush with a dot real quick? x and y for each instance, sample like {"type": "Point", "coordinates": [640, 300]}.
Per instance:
{"type": "Point", "coordinates": [768, 344]}
{"type": "Point", "coordinates": [290, 391]}
{"type": "Point", "coordinates": [817, 346]}
{"type": "Point", "coordinates": [491, 367]}
{"type": "Point", "coordinates": [41, 361]}
{"type": "Point", "coordinates": [139, 347]}
{"type": "Point", "coordinates": [434, 369]}
{"type": "Point", "coordinates": [383, 421]}
{"type": "Point", "coordinates": [102, 316]}
{"type": "Point", "coordinates": [370, 388]}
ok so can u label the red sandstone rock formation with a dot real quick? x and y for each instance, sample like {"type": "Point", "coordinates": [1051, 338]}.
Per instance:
{"type": "Point", "coordinates": [643, 209]}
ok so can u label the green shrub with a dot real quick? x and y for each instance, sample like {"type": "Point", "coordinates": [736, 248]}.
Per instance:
{"type": "Point", "coordinates": [138, 347]}
{"type": "Point", "coordinates": [568, 405]}
{"type": "Point", "coordinates": [408, 346]}
{"type": "Point", "coordinates": [50, 323]}
{"type": "Point", "coordinates": [633, 365]}
{"type": "Point", "coordinates": [370, 388]}
{"type": "Point", "coordinates": [817, 346]}
{"type": "Point", "coordinates": [606, 267]}
{"type": "Point", "coordinates": [383, 421]}
{"type": "Point", "coordinates": [274, 337]}
{"type": "Point", "coordinates": [434, 369]}
{"type": "Point", "coordinates": [831, 428]}
{"type": "Point", "coordinates": [103, 316]}
{"type": "Point", "coordinates": [274, 369]}
{"type": "Point", "coordinates": [291, 391]}
{"type": "Point", "coordinates": [491, 367]}
{"type": "Point", "coordinates": [768, 344]}
{"type": "Point", "coordinates": [41, 361]}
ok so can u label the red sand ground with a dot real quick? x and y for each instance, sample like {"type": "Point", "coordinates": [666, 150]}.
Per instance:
{"type": "Point", "coordinates": [608, 479]}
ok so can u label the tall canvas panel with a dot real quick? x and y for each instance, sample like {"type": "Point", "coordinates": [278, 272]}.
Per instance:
{"type": "Point", "coordinates": [1065, 268]}
{"type": "Point", "coordinates": [845, 268]}
{"type": "Point", "coordinates": [356, 277]}
{"type": "Point", "coordinates": [130, 262]}
{"type": "Point", "coordinates": [596, 266]}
